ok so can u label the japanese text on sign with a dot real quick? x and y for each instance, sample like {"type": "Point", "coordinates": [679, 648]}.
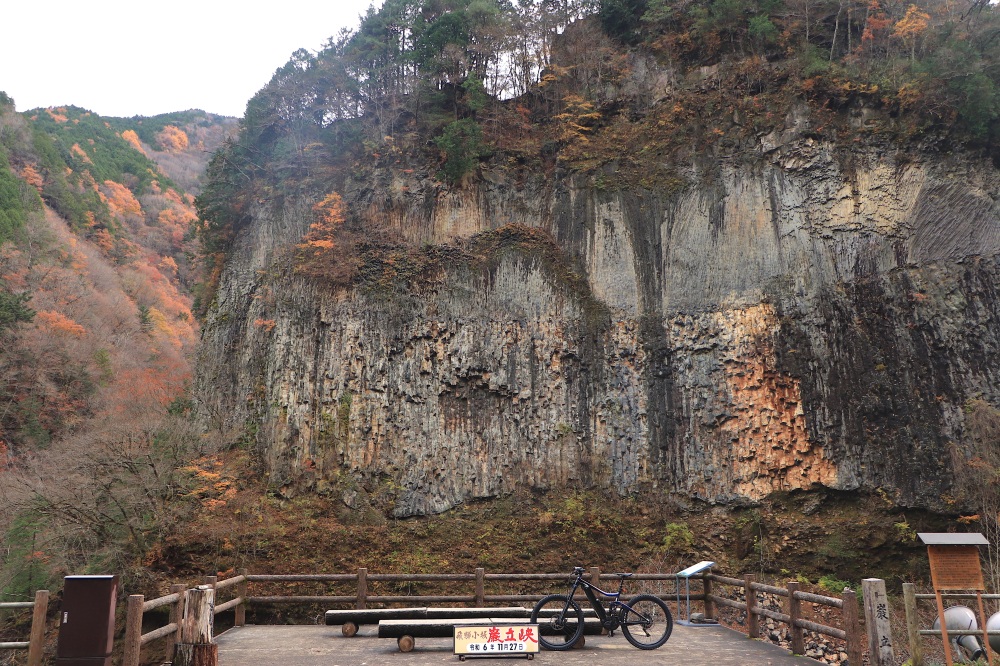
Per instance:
{"type": "Point", "coordinates": [496, 639]}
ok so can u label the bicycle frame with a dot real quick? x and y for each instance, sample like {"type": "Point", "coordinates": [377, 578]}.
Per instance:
{"type": "Point", "coordinates": [611, 617]}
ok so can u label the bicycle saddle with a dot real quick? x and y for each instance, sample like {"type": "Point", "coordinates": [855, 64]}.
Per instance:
{"type": "Point", "coordinates": [623, 575]}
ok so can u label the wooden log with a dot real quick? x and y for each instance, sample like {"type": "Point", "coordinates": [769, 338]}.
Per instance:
{"type": "Point", "coordinates": [444, 627]}
{"type": "Point", "coordinates": [176, 616]}
{"type": "Point", "coordinates": [434, 628]}
{"type": "Point", "coordinates": [795, 614]}
{"type": "Point", "coordinates": [913, 625]}
{"type": "Point", "coordinates": [406, 643]}
{"type": "Point", "coordinates": [480, 586]}
{"type": "Point", "coordinates": [374, 615]}
{"type": "Point", "coordinates": [241, 592]}
{"type": "Point", "coordinates": [133, 630]}
{"type": "Point", "coordinates": [709, 606]}
{"type": "Point", "coordinates": [495, 613]}
{"type": "Point", "coordinates": [199, 615]}
{"type": "Point", "coordinates": [349, 629]}
{"type": "Point", "coordinates": [852, 627]}
{"type": "Point", "coordinates": [753, 622]}
{"type": "Point", "coordinates": [362, 587]}
{"type": "Point", "coordinates": [201, 654]}
{"type": "Point", "coordinates": [37, 639]}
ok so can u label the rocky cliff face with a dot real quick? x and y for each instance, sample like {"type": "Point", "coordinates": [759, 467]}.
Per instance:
{"type": "Point", "coordinates": [802, 320]}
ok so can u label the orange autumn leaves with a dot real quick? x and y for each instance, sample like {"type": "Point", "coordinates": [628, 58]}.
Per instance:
{"type": "Point", "coordinates": [212, 486]}
{"type": "Point", "coordinates": [329, 218]}
{"type": "Point", "coordinates": [133, 140]}
{"type": "Point", "coordinates": [120, 199]}
{"type": "Point", "coordinates": [60, 323]}
{"type": "Point", "coordinates": [326, 250]}
{"type": "Point", "coordinates": [172, 139]}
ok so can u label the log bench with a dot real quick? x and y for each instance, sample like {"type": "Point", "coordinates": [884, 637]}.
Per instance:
{"type": "Point", "coordinates": [350, 620]}
{"type": "Point", "coordinates": [406, 631]}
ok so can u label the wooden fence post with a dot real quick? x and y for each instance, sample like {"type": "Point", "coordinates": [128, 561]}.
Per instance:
{"type": "Point", "coordinates": [706, 582]}
{"type": "Point", "coordinates": [176, 616]}
{"type": "Point", "coordinates": [794, 614]}
{"type": "Point", "coordinates": [852, 627]}
{"type": "Point", "coordinates": [753, 620]}
{"type": "Point", "coordinates": [241, 591]}
{"type": "Point", "coordinates": [133, 629]}
{"type": "Point", "coordinates": [37, 640]}
{"type": "Point", "coordinates": [880, 651]}
{"type": "Point", "coordinates": [196, 647]}
{"type": "Point", "coordinates": [480, 587]}
{"type": "Point", "coordinates": [913, 625]}
{"type": "Point", "coordinates": [595, 576]}
{"type": "Point", "coordinates": [362, 588]}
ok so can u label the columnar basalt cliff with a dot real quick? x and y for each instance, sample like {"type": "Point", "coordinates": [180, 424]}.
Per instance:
{"type": "Point", "coordinates": [804, 319]}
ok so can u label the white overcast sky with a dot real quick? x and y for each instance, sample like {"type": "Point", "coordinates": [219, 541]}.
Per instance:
{"type": "Point", "coordinates": [135, 57]}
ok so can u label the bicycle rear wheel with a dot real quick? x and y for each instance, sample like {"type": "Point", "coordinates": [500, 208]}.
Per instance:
{"type": "Point", "coordinates": [646, 622]}
{"type": "Point", "coordinates": [560, 622]}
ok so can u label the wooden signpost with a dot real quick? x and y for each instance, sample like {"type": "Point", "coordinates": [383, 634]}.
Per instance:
{"type": "Point", "coordinates": [954, 560]}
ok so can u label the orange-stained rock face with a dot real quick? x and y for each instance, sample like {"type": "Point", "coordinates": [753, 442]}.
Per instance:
{"type": "Point", "coordinates": [771, 450]}
{"type": "Point", "coordinates": [748, 435]}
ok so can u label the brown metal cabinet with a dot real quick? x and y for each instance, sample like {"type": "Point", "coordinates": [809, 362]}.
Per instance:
{"type": "Point", "coordinates": [87, 621]}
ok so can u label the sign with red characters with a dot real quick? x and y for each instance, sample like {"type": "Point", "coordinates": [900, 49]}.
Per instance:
{"type": "Point", "coordinates": [497, 639]}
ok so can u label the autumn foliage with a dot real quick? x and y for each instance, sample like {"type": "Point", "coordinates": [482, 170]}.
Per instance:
{"type": "Point", "coordinates": [326, 251]}
{"type": "Point", "coordinates": [172, 139]}
{"type": "Point", "coordinates": [133, 139]}
{"type": "Point", "coordinates": [329, 219]}
{"type": "Point", "coordinates": [120, 199]}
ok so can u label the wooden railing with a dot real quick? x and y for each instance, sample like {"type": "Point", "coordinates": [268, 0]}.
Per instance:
{"type": "Point", "coordinates": [36, 639]}
{"type": "Point", "coordinates": [915, 633]}
{"type": "Point", "coordinates": [848, 605]}
{"type": "Point", "coordinates": [477, 582]}
{"type": "Point", "coordinates": [475, 589]}
{"type": "Point", "coordinates": [136, 607]}
{"type": "Point", "coordinates": [359, 597]}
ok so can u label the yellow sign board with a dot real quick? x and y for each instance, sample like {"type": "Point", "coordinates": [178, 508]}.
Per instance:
{"type": "Point", "coordinates": [491, 640]}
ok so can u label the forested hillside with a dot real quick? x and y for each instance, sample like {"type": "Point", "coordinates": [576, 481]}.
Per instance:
{"type": "Point", "coordinates": [97, 266]}
{"type": "Point", "coordinates": [451, 83]}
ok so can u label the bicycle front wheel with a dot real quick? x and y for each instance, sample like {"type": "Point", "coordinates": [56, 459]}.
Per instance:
{"type": "Point", "coordinates": [560, 622]}
{"type": "Point", "coordinates": [646, 622]}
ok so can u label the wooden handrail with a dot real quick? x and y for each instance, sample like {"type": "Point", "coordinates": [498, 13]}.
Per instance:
{"type": "Point", "coordinates": [851, 633]}
{"type": "Point", "coordinates": [36, 639]}
{"type": "Point", "coordinates": [159, 602]}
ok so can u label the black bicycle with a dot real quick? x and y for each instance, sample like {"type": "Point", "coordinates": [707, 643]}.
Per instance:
{"type": "Point", "coordinates": [644, 619]}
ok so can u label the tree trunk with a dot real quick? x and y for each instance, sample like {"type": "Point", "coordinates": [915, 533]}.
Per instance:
{"type": "Point", "coordinates": [201, 654]}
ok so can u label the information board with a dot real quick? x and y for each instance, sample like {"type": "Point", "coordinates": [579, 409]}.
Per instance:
{"type": "Point", "coordinates": [955, 568]}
